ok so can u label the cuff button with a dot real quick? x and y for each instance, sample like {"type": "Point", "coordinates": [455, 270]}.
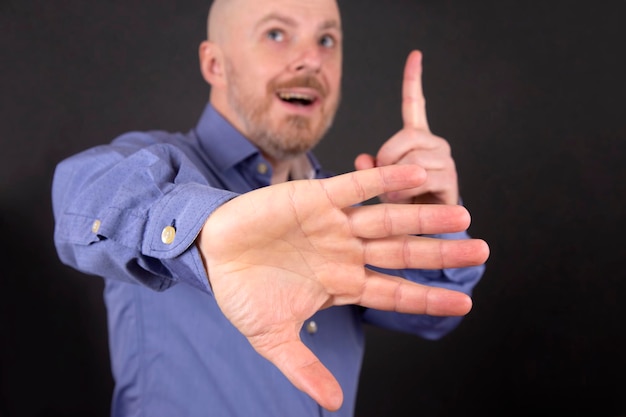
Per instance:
{"type": "Point", "coordinates": [168, 234]}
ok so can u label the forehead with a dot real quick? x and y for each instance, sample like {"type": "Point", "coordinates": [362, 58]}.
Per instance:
{"type": "Point", "coordinates": [321, 13]}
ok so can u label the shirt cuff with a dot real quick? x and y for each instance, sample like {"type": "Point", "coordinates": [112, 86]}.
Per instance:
{"type": "Point", "coordinates": [175, 222]}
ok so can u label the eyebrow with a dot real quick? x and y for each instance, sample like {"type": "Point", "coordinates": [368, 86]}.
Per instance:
{"type": "Point", "coordinates": [286, 20]}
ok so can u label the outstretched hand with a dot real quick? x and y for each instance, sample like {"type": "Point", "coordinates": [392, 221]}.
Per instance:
{"type": "Point", "coordinates": [415, 144]}
{"type": "Point", "coordinates": [277, 255]}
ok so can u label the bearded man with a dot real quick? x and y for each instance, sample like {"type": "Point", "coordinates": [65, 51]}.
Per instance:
{"type": "Point", "coordinates": [238, 273]}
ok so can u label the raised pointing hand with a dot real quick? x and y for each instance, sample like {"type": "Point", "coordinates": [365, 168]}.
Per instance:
{"type": "Point", "coordinates": [277, 255]}
{"type": "Point", "coordinates": [415, 144]}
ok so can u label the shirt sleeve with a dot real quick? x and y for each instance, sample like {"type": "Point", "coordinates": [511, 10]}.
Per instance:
{"type": "Point", "coordinates": [132, 210]}
{"type": "Point", "coordinates": [429, 327]}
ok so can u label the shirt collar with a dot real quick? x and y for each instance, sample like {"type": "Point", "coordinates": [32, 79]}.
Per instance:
{"type": "Point", "coordinates": [227, 147]}
{"type": "Point", "coordinates": [221, 142]}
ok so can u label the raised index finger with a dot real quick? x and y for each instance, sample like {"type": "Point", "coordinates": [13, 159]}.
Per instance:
{"type": "Point", "coordinates": [413, 102]}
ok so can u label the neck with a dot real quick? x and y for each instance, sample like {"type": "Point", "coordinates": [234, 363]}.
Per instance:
{"type": "Point", "coordinates": [280, 171]}
{"type": "Point", "coordinates": [280, 177]}
{"type": "Point", "coordinates": [298, 168]}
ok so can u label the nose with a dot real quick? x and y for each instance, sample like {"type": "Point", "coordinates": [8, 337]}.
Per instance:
{"type": "Point", "coordinates": [307, 58]}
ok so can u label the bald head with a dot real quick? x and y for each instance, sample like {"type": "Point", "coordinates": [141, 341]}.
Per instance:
{"type": "Point", "coordinates": [221, 14]}
{"type": "Point", "coordinates": [274, 67]}
{"type": "Point", "coordinates": [224, 13]}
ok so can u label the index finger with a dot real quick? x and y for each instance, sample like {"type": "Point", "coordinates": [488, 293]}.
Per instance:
{"type": "Point", "coordinates": [413, 101]}
{"type": "Point", "coordinates": [387, 293]}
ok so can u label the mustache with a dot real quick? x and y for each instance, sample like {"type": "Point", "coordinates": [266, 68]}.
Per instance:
{"type": "Point", "coordinates": [301, 81]}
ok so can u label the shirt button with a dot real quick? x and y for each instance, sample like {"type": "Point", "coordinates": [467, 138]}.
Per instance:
{"type": "Point", "coordinates": [311, 327]}
{"type": "Point", "coordinates": [167, 235]}
{"type": "Point", "coordinates": [95, 226]}
{"type": "Point", "coordinates": [261, 168]}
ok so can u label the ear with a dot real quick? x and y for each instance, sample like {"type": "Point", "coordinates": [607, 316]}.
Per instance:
{"type": "Point", "coordinates": [211, 63]}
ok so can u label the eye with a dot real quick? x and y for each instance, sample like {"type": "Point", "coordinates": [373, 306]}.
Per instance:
{"type": "Point", "coordinates": [327, 41]}
{"type": "Point", "coordinates": [276, 35]}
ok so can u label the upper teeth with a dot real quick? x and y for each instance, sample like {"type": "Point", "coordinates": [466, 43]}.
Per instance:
{"type": "Point", "coordinates": [295, 96]}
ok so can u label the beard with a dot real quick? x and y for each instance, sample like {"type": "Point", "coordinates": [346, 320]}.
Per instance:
{"type": "Point", "coordinates": [282, 139]}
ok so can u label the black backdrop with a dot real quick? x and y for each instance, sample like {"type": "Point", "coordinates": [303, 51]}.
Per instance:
{"type": "Point", "coordinates": [531, 97]}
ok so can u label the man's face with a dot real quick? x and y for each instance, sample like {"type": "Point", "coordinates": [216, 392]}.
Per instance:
{"type": "Point", "coordinates": [282, 63]}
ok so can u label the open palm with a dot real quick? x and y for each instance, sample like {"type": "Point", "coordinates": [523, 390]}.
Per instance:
{"type": "Point", "coordinates": [277, 255]}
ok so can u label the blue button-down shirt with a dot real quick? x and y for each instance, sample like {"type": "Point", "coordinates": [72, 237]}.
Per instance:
{"type": "Point", "coordinates": [173, 353]}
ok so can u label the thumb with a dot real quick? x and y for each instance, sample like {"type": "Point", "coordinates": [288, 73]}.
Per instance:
{"type": "Point", "coordinates": [306, 372]}
{"type": "Point", "coordinates": [364, 161]}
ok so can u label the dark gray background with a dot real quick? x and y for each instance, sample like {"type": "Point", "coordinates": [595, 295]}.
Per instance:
{"type": "Point", "coordinates": [529, 94]}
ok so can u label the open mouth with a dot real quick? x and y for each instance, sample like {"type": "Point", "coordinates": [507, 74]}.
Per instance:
{"type": "Point", "coordinates": [298, 99]}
